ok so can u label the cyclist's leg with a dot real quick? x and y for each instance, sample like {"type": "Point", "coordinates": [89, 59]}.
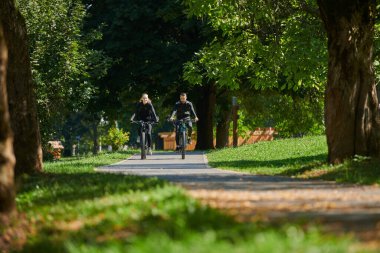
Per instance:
{"type": "Point", "coordinates": [189, 131]}
{"type": "Point", "coordinates": [176, 135]}
{"type": "Point", "coordinates": [149, 135]}
{"type": "Point", "coordinates": [139, 131]}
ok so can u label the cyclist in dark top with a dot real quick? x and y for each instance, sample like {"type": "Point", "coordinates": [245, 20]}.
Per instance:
{"type": "Point", "coordinates": [184, 110]}
{"type": "Point", "coordinates": [145, 112]}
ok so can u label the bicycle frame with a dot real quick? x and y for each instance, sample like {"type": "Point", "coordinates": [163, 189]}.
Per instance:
{"type": "Point", "coordinates": [181, 131]}
{"type": "Point", "coordinates": [143, 140]}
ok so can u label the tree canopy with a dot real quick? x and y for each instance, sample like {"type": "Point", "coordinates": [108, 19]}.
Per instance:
{"type": "Point", "coordinates": [63, 64]}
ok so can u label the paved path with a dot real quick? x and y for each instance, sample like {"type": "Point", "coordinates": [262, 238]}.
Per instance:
{"type": "Point", "coordinates": [252, 197]}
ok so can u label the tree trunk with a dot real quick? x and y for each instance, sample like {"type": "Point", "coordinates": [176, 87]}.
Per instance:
{"type": "Point", "coordinates": [95, 137]}
{"type": "Point", "coordinates": [223, 130]}
{"type": "Point", "coordinates": [352, 113]}
{"type": "Point", "coordinates": [68, 151]}
{"type": "Point", "coordinates": [205, 111]}
{"type": "Point", "coordinates": [224, 120]}
{"type": "Point", "coordinates": [21, 93]}
{"type": "Point", "coordinates": [7, 160]}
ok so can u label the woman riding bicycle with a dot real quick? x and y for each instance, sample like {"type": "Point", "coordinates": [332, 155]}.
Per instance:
{"type": "Point", "coordinates": [145, 112]}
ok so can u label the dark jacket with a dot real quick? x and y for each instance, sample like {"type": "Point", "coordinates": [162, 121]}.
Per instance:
{"type": "Point", "coordinates": [183, 110]}
{"type": "Point", "coordinates": [145, 112]}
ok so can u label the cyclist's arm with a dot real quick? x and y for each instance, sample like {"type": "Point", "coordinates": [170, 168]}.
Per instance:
{"type": "Point", "coordinates": [154, 113]}
{"type": "Point", "coordinates": [136, 115]}
{"type": "Point", "coordinates": [133, 117]}
{"type": "Point", "coordinates": [193, 111]}
{"type": "Point", "coordinates": [174, 111]}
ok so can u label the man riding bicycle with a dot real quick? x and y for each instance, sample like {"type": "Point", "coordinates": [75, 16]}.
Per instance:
{"type": "Point", "coordinates": [145, 112]}
{"type": "Point", "coordinates": [184, 110]}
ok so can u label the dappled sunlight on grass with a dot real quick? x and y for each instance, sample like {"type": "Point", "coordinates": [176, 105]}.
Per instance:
{"type": "Point", "coordinates": [271, 158]}
{"type": "Point", "coordinates": [300, 157]}
{"type": "Point", "coordinates": [359, 170]}
{"type": "Point", "coordinates": [71, 208]}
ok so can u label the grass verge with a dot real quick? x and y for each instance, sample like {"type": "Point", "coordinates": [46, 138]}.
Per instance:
{"type": "Point", "coordinates": [300, 157]}
{"type": "Point", "coordinates": [71, 208]}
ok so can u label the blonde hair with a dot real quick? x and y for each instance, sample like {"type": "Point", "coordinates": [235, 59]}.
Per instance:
{"type": "Point", "coordinates": [145, 94]}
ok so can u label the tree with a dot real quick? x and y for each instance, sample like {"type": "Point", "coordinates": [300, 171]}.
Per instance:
{"type": "Point", "coordinates": [21, 92]}
{"type": "Point", "coordinates": [263, 44]}
{"type": "Point", "coordinates": [7, 161]}
{"type": "Point", "coordinates": [205, 126]}
{"type": "Point", "coordinates": [352, 108]}
{"type": "Point", "coordinates": [259, 46]}
{"type": "Point", "coordinates": [63, 64]}
{"type": "Point", "coordinates": [223, 118]}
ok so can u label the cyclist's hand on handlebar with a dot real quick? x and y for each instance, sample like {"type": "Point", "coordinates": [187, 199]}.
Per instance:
{"type": "Point", "coordinates": [196, 119]}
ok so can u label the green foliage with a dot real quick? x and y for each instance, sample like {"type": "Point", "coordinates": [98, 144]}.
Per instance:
{"type": "Point", "coordinates": [63, 66]}
{"type": "Point", "coordinates": [270, 54]}
{"type": "Point", "coordinates": [377, 47]}
{"type": "Point", "coordinates": [290, 113]}
{"type": "Point", "coordinates": [116, 138]}
{"type": "Point", "coordinates": [264, 44]}
{"type": "Point", "coordinates": [71, 208]}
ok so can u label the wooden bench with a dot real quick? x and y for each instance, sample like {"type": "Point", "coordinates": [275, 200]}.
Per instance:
{"type": "Point", "coordinates": [169, 141]}
{"type": "Point", "coordinates": [259, 134]}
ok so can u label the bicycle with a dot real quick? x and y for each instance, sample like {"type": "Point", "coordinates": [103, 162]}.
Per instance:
{"type": "Point", "coordinates": [181, 132]}
{"type": "Point", "coordinates": [143, 140]}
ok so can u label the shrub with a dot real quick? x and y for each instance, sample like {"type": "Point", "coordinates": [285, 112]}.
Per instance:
{"type": "Point", "coordinates": [116, 138]}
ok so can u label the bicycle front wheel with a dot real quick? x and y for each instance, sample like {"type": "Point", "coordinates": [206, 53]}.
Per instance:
{"type": "Point", "coordinates": [184, 143]}
{"type": "Point", "coordinates": [142, 144]}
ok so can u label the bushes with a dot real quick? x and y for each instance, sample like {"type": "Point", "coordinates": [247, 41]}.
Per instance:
{"type": "Point", "coordinates": [116, 138]}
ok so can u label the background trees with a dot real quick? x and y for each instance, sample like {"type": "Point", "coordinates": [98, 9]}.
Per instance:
{"type": "Point", "coordinates": [150, 40]}
{"type": "Point", "coordinates": [97, 57]}
{"type": "Point", "coordinates": [64, 66]}
{"type": "Point", "coordinates": [279, 45]}
{"type": "Point", "coordinates": [272, 55]}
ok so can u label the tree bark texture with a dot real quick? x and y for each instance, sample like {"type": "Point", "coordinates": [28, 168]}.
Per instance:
{"type": "Point", "coordinates": [7, 160]}
{"type": "Point", "coordinates": [223, 120]}
{"type": "Point", "coordinates": [21, 92]}
{"type": "Point", "coordinates": [351, 107]}
{"type": "Point", "coordinates": [205, 111]}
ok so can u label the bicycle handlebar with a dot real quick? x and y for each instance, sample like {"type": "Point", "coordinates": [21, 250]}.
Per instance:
{"type": "Point", "coordinates": [144, 122]}
{"type": "Point", "coordinates": [182, 120]}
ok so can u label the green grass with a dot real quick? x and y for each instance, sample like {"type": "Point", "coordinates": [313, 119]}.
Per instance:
{"type": "Point", "coordinates": [300, 157]}
{"type": "Point", "coordinates": [71, 208]}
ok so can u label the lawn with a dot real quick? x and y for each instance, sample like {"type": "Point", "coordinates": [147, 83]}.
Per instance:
{"type": "Point", "coordinates": [299, 157]}
{"type": "Point", "coordinates": [71, 208]}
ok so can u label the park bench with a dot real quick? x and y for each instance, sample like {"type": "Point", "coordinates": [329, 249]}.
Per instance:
{"type": "Point", "coordinates": [168, 139]}
{"type": "Point", "coordinates": [259, 134]}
